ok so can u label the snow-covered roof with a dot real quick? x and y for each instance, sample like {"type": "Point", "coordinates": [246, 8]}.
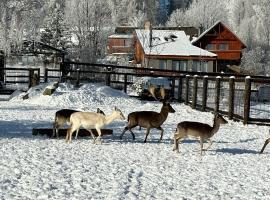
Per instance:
{"type": "Point", "coordinates": [124, 36]}
{"type": "Point", "coordinates": [169, 42]}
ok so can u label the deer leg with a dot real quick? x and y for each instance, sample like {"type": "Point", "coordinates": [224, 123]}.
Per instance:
{"type": "Point", "coordinates": [94, 138]}
{"type": "Point", "coordinates": [55, 129]}
{"type": "Point", "coordinates": [76, 136]}
{"type": "Point", "coordinates": [177, 139]}
{"type": "Point", "coordinates": [69, 135]}
{"type": "Point", "coordinates": [133, 135]}
{"type": "Point", "coordinates": [201, 143]}
{"type": "Point", "coordinates": [265, 143]}
{"type": "Point", "coordinates": [125, 129]}
{"type": "Point", "coordinates": [161, 134]}
{"type": "Point", "coordinates": [210, 143]}
{"type": "Point", "coordinates": [176, 145]}
{"type": "Point", "coordinates": [146, 135]}
{"type": "Point", "coordinates": [98, 140]}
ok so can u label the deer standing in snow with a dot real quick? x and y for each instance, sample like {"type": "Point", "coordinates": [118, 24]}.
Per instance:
{"type": "Point", "coordinates": [148, 120]}
{"type": "Point", "coordinates": [198, 130]}
{"type": "Point", "coordinates": [62, 117]}
{"type": "Point", "coordinates": [89, 120]}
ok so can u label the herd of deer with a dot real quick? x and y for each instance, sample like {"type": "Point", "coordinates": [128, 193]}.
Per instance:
{"type": "Point", "coordinates": [146, 119]}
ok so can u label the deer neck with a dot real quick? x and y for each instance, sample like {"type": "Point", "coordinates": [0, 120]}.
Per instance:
{"type": "Point", "coordinates": [215, 127]}
{"type": "Point", "coordinates": [163, 114]}
{"type": "Point", "coordinates": [109, 118]}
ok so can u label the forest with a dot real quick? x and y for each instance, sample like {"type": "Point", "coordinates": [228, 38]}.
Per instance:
{"type": "Point", "coordinates": [82, 27]}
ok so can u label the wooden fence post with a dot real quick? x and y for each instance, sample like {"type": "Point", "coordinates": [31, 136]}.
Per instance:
{"type": "Point", "coordinates": [30, 77]}
{"type": "Point", "coordinates": [108, 79]}
{"type": "Point", "coordinates": [125, 83]}
{"type": "Point", "coordinates": [204, 94]}
{"type": "Point", "coordinates": [247, 99]}
{"type": "Point", "coordinates": [180, 89]}
{"type": "Point", "coordinates": [231, 97]}
{"type": "Point", "coordinates": [173, 88]}
{"type": "Point", "coordinates": [187, 89]}
{"type": "Point", "coordinates": [46, 75]}
{"type": "Point", "coordinates": [217, 97]}
{"type": "Point", "coordinates": [39, 75]}
{"type": "Point", "coordinates": [78, 78]}
{"type": "Point", "coordinates": [195, 89]}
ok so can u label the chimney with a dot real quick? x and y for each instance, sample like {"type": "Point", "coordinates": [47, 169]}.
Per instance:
{"type": "Point", "coordinates": [148, 26]}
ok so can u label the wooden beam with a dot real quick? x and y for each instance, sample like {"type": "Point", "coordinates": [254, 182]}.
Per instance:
{"type": "Point", "coordinates": [63, 132]}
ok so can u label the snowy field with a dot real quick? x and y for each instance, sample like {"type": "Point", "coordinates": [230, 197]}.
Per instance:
{"type": "Point", "coordinates": [36, 167]}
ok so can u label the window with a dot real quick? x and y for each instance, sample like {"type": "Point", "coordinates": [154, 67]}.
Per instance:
{"type": "Point", "coordinates": [223, 47]}
{"type": "Point", "coordinates": [127, 43]}
{"type": "Point", "coordinates": [199, 66]}
{"type": "Point", "coordinates": [162, 64]}
{"type": "Point", "coordinates": [210, 47]}
{"type": "Point", "coordinates": [179, 65]}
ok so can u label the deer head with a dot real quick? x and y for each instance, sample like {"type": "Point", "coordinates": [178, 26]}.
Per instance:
{"type": "Point", "coordinates": [118, 113]}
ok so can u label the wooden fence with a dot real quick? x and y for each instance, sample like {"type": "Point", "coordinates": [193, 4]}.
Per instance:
{"type": "Point", "coordinates": [19, 78]}
{"type": "Point", "coordinates": [230, 94]}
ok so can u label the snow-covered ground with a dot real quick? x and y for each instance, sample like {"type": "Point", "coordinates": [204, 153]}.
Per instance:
{"type": "Point", "coordinates": [36, 167]}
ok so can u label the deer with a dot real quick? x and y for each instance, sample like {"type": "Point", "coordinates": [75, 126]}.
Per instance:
{"type": "Point", "coordinates": [152, 90]}
{"type": "Point", "coordinates": [265, 143]}
{"type": "Point", "coordinates": [148, 120]}
{"type": "Point", "coordinates": [162, 92]}
{"type": "Point", "coordinates": [197, 130]}
{"type": "Point", "coordinates": [89, 120]}
{"type": "Point", "coordinates": [62, 117]}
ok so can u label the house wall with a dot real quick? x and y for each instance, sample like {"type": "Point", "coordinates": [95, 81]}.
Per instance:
{"type": "Point", "coordinates": [221, 35]}
{"type": "Point", "coordinates": [120, 45]}
{"type": "Point", "coordinates": [155, 63]}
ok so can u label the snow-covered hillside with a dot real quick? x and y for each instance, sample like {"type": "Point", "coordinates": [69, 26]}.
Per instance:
{"type": "Point", "coordinates": [36, 167]}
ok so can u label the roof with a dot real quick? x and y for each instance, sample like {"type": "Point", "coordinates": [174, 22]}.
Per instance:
{"type": "Point", "coordinates": [36, 47]}
{"type": "Point", "coordinates": [209, 29]}
{"type": "Point", "coordinates": [121, 36]}
{"type": "Point", "coordinates": [170, 43]}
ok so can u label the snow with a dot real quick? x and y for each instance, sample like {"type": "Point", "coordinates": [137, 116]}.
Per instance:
{"type": "Point", "coordinates": [179, 46]}
{"type": "Point", "coordinates": [36, 167]}
{"type": "Point", "coordinates": [122, 36]}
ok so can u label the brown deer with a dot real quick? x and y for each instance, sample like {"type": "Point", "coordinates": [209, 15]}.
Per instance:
{"type": "Point", "coordinates": [62, 117]}
{"type": "Point", "coordinates": [265, 143]}
{"type": "Point", "coordinates": [198, 130]}
{"type": "Point", "coordinates": [148, 120]}
{"type": "Point", "coordinates": [89, 120]}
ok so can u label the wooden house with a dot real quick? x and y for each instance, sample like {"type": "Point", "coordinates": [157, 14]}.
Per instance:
{"type": "Point", "coordinates": [171, 50]}
{"type": "Point", "coordinates": [121, 45]}
{"type": "Point", "coordinates": [220, 40]}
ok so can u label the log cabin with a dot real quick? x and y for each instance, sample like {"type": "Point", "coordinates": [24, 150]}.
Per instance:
{"type": "Point", "coordinates": [219, 39]}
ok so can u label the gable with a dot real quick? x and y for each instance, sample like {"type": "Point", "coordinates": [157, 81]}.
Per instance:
{"type": "Point", "coordinates": [218, 32]}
